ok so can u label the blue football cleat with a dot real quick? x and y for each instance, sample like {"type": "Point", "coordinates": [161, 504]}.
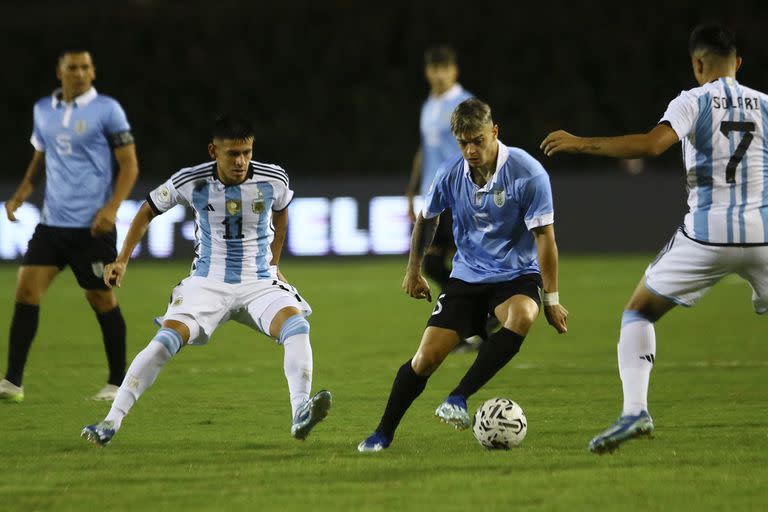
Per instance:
{"type": "Point", "coordinates": [625, 428]}
{"type": "Point", "coordinates": [100, 433]}
{"type": "Point", "coordinates": [454, 412]}
{"type": "Point", "coordinates": [311, 413]}
{"type": "Point", "coordinates": [374, 443]}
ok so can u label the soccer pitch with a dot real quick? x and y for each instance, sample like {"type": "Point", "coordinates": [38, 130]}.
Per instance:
{"type": "Point", "coordinates": [213, 432]}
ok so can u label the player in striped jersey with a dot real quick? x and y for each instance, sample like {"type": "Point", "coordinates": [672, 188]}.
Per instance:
{"type": "Point", "coordinates": [722, 127]}
{"type": "Point", "coordinates": [241, 217]}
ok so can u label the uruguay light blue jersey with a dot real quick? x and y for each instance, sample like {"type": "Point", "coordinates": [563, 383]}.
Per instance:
{"type": "Point", "coordinates": [437, 141]}
{"type": "Point", "coordinates": [722, 126]}
{"type": "Point", "coordinates": [491, 224]}
{"type": "Point", "coordinates": [78, 139]}
{"type": "Point", "coordinates": [233, 223]}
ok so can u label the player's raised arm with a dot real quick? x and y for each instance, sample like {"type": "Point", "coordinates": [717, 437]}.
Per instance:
{"type": "Point", "coordinates": [31, 178]}
{"type": "Point", "coordinates": [641, 145]}
{"type": "Point", "coordinates": [414, 283]}
{"type": "Point", "coordinates": [547, 254]}
{"type": "Point", "coordinates": [114, 272]}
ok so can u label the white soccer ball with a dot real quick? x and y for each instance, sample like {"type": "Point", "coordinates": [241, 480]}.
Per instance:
{"type": "Point", "coordinates": [500, 424]}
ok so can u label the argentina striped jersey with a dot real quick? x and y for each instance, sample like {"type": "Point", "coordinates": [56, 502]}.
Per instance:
{"type": "Point", "coordinates": [725, 152]}
{"type": "Point", "coordinates": [233, 223]}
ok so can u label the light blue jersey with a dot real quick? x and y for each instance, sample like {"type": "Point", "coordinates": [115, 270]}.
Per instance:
{"type": "Point", "coordinates": [233, 223]}
{"type": "Point", "coordinates": [491, 224]}
{"type": "Point", "coordinates": [437, 141]}
{"type": "Point", "coordinates": [78, 139]}
{"type": "Point", "coordinates": [722, 126]}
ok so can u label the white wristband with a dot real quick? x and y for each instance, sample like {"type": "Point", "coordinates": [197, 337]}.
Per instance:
{"type": "Point", "coordinates": [550, 299]}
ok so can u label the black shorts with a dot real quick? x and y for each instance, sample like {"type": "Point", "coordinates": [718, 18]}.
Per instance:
{"type": "Point", "coordinates": [75, 247]}
{"type": "Point", "coordinates": [464, 307]}
{"type": "Point", "coordinates": [444, 233]}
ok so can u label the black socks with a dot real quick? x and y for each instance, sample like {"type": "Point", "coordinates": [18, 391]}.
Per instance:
{"type": "Point", "coordinates": [406, 388]}
{"type": "Point", "coordinates": [23, 329]}
{"type": "Point", "coordinates": [113, 332]}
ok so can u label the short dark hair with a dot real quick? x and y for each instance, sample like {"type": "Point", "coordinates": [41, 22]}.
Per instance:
{"type": "Point", "coordinates": [72, 49]}
{"type": "Point", "coordinates": [227, 126]}
{"type": "Point", "coordinates": [470, 116]}
{"type": "Point", "coordinates": [713, 37]}
{"type": "Point", "coordinates": [439, 56]}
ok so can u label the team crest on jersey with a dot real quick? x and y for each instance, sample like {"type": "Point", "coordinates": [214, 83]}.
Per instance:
{"type": "Point", "coordinates": [177, 301]}
{"type": "Point", "coordinates": [80, 127]}
{"type": "Point", "coordinates": [234, 206]}
{"type": "Point", "coordinates": [257, 206]}
{"type": "Point", "coordinates": [499, 197]}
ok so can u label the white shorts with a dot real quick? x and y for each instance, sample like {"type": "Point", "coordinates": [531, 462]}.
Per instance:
{"type": "Point", "coordinates": [210, 303]}
{"type": "Point", "coordinates": [685, 270]}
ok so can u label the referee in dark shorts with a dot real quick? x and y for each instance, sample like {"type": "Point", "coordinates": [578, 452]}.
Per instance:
{"type": "Point", "coordinates": [84, 149]}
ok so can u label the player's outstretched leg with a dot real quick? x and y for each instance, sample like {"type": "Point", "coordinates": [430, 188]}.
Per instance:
{"type": "Point", "coordinates": [141, 374]}
{"type": "Point", "coordinates": [408, 385]}
{"type": "Point", "coordinates": [636, 354]}
{"type": "Point", "coordinates": [493, 355]}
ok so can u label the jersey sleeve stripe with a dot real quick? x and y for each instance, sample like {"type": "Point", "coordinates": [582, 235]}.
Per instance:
{"type": "Point", "coordinates": [192, 170]}
{"type": "Point", "coordinates": [273, 176]}
{"type": "Point", "coordinates": [272, 168]}
{"type": "Point", "coordinates": [188, 179]}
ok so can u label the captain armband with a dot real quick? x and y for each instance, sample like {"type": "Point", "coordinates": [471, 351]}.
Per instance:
{"type": "Point", "coordinates": [119, 139]}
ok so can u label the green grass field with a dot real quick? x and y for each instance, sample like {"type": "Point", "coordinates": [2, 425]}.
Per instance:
{"type": "Point", "coordinates": [213, 432]}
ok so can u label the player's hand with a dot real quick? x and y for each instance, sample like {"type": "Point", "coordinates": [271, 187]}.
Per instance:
{"type": "Point", "coordinates": [104, 221]}
{"type": "Point", "coordinates": [557, 316]}
{"type": "Point", "coordinates": [114, 273]}
{"type": "Point", "coordinates": [560, 142]}
{"type": "Point", "coordinates": [411, 213]}
{"type": "Point", "coordinates": [11, 206]}
{"type": "Point", "coordinates": [416, 286]}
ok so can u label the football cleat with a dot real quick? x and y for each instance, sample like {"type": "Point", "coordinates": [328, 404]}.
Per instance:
{"type": "Point", "coordinates": [374, 443]}
{"type": "Point", "coordinates": [454, 412]}
{"type": "Point", "coordinates": [625, 428]}
{"type": "Point", "coordinates": [100, 433]}
{"type": "Point", "coordinates": [107, 393]}
{"type": "Point", "coordinates": [311, 413]}
{"type": "Point", "coordinates": [11, 392]}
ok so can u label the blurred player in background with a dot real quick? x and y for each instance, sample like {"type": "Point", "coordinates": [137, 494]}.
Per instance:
{"type": "Point", "coordinates": [84, 151]}
{"type": "Point", "coordinates": [241, 218]}
{"type": "Point", "coordinates": [503, 222]}
{"type": "Point", "coordinates": [437, 145]}
{"type": "Point", "coordinates": [721, 125]}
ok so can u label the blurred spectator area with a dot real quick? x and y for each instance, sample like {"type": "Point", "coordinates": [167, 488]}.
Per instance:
{"type": "Point", "coordinates": [334, 87]}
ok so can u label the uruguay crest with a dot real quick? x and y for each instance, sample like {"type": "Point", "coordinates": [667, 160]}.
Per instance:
{"type": "Point", "coordinates": [80, 127]}
{"type": "Point", "coordinates": [499, 197]}
{"type": "Point", "coordinates": [234, 206]}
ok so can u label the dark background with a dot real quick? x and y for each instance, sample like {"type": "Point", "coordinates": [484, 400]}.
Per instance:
{"type": "Point", "coordinates": [335, 87]}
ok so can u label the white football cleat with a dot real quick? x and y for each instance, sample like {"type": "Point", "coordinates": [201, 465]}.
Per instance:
{"type": "Point", "coordinates": [107, 393]}
{"type": "Point", "coordinates": [11, 392]}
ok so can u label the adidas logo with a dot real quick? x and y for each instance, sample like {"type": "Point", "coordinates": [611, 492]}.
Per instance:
{"type": "Point", "coordinates": [210, 208]}
{"type": "Point", "coordinates": [649, 357]}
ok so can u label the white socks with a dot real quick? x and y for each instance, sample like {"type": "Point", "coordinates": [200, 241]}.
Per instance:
{"type": "Point", "coordinates": [141, 374]}
{"type": "Point", "coordinates": [637, 353]}
{"type": "Point", "coordinates": [297, 365]}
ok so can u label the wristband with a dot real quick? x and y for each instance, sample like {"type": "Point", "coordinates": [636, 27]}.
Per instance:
{"type": "Point", "coordinates": [550, 299]}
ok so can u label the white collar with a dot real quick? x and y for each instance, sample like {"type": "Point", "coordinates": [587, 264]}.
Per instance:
{"type": "Point", "coordinates": [450, 94]}
{"type": "Point", "coordinates": [501, 159]}
{"type": "Point", "coordinates": [80, 101]}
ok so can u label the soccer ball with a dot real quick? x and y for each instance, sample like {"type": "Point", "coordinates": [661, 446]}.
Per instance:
{"type": "Point", "coordinates": [500, 424]}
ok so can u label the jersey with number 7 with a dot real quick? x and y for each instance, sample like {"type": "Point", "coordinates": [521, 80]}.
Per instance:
{"type": "Point", "coordinates": [725, 151]}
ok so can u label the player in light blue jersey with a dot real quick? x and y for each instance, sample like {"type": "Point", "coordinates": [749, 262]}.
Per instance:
{"type": "Point", "coordinates": [85, 151]}
{"type": "Point", "coordinates": [437, 145]}
{"type": "Point", "coordinates": [503, 224]}
{"type": "Point", "coordinates": [722, 126]}
{"type": "Point", "coordinates": [241, 218]}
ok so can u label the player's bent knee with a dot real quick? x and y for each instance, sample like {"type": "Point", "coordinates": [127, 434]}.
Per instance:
{"type": "Point", "coordinates": [293, 326]}
{"type": "Point", "coordinates": [426, 363]}
{"type": "Point", "coordinates": [28, 295]}
{"type": "Point", "coordinates": [187, 328]}
{"type": "Point", "coordinates": [101, 301]}
{"type": "Point", "coordinates": [280, 318]}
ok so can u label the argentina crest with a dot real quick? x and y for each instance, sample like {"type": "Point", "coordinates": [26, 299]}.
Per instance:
{"type": "Point", "coordinates": [499, 197]}
{"type": "Point", "coordinates": [257, 205]}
